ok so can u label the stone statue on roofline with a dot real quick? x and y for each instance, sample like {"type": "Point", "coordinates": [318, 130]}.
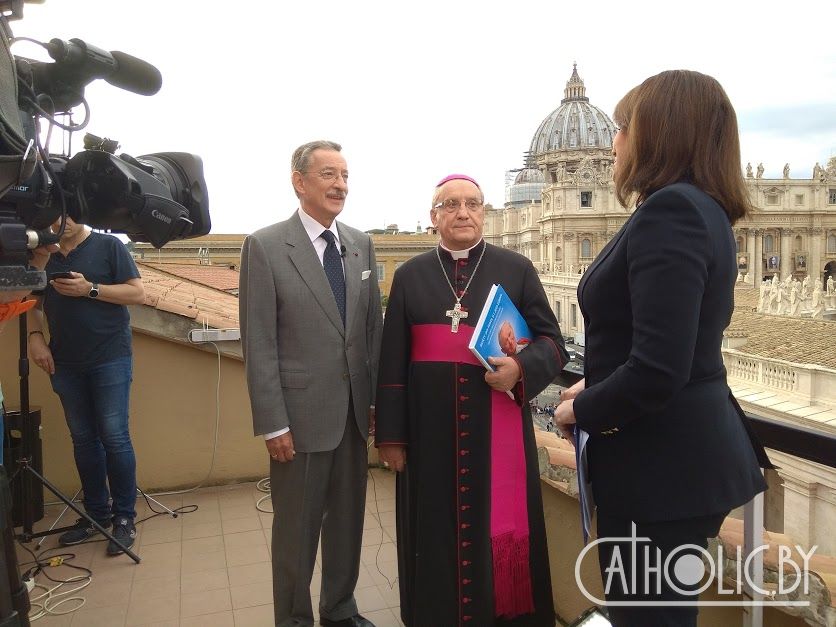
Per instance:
{"type": "Point", "coordinates": [795, 300]}
{"type": "Point", "coordinates": [818, 300]}
{"type": "Point", "coordinates": [760, 171]}
{"type": "Point", "coordinates": [781, 299]}
{"type": "Point", "coordinates": [762, 297]}
{"type": "Point", "coordinates": [772, 301]}
{"type": "Point", "coordinates": [786, 170]}
{"type": "Point", "coordinates": [817, 171]}
{"type": "Point", "coordinates": [749, 170]}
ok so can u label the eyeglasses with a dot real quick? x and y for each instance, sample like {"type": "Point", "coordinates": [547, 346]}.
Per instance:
{"type": "Point", "coordinates": [451, 205]}
{"type": "Point", "coordinates": [329, 175]}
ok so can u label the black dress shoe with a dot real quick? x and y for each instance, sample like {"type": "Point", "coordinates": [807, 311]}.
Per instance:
{"type": "Point", "coordinates": [351, 621]}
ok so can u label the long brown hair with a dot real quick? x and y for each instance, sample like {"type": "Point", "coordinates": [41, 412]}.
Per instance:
{"type": "Point", "coordinates": [680, 126]}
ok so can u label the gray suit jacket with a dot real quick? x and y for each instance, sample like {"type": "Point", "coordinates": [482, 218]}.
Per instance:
{"type": "Point", "coordinates": [302, 365]}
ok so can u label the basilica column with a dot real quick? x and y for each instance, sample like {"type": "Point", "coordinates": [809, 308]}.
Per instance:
{"type": "Point", "coordinates": [755, 265]}
{"type": "Point", "coordinates": [815, 261]}
{"type": "Point", "coordinates": [547, 252]}
{"type": "Point", "coordinates": [756, 256]}
{"type": "Point", "coordinates": [570, 251]}
{"type": "Point", "coordinates": [601, 241]}
{"type": "Point", "coordinates": [787, 264]}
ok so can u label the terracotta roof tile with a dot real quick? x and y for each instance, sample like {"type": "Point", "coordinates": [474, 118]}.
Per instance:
{"type": "Point", "coordinates": [185, 297]}
{"type": "Point", "coordinates": [798, 340]}
{"type": "Point", "coordinates": [219, 277]}
{"type": "Point", "coordinates": [824, 566]}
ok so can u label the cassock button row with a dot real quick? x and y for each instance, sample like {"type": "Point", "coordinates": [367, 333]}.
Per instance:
{"type": "Point", "coordinates": [466, 599]}
{"type": "Point", "coordinates": [464, 434]}
{"type": "Point", "coordinates": [464, 416]}
{"type": "Point", "coordinates": [465, 563]}
{"type": "Point", "coordinates": [464, 508]}
{"type": "Point", "coordinates": [466, 581]}
{"type": "Point", "coordinates": [464, 488]}
{"type": "Point", "coordinates": [465, 525]}
{"type": "Point", "coordinates": [464, 471]}
{"type": "Point", "coordinates": [463, 397]}
{"type": "Point", "coordinates": [464, 452]}
{"type": "Point", "coordinates": [462, 380]}
{"type": "Point", "coordinates": [466, 544]}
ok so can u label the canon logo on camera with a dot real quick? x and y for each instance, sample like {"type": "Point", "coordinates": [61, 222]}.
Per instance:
{"type": "Point", "coordinates": [161, 216]}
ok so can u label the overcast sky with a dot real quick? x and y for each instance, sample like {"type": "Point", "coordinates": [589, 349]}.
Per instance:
{"type": "Point", "coordinates": [414, 91]}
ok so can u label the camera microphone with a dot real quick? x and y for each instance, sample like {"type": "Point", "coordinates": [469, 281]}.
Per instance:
{"type": "Point", "coordinates": [342, 251]}
{"type": "Point", "coordinates": [117, 68]}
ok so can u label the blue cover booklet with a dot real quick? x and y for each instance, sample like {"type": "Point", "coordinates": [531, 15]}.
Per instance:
{"type": "Point", "coordinates": [501, 330]}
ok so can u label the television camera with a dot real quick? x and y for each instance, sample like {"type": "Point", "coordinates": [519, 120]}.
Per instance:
{"type": "Point", "coordinates": [152, 198]}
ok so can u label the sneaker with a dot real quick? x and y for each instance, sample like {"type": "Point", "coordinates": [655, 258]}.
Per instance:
{"type": "Point", "coordinates": [83, 531]}
{"type": "Point", "coordinates": [125, 532]}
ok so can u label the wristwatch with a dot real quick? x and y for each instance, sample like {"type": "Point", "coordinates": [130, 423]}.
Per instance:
{"type": "Point", "coordinates": [94, 290]}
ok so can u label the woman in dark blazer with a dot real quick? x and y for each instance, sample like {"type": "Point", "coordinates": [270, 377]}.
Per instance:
{"type": "Point", "coordinates": [668, 448]}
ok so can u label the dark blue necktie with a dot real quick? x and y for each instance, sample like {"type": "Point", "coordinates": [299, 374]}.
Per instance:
{"type": "Point", "coordinates": [332, 261]}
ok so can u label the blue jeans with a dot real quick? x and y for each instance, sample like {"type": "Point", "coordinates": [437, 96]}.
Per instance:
{"type": "Point", "coordinates": [95, 400]}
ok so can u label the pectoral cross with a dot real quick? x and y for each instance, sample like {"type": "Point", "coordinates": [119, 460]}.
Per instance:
{"type": "Point", "coordinates": [456, 314]}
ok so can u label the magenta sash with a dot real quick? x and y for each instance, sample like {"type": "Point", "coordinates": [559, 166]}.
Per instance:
{"type": "Point", "coordinates": [509, 503]}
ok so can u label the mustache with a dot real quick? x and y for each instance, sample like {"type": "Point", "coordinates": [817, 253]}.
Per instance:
{"type": "Point", "coordinates": [337, 195]}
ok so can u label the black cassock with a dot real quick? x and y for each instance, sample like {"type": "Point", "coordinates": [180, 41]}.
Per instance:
{"type": "Point", "coordinates": [442, 410]}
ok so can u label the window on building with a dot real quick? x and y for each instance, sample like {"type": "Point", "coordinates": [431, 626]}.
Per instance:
{"type": "Point", "coordinates": [586, 248]}
{"type": "Point", "coordinates": [797, 243]}
{"type": "Point", "coordinates": [799, 199]}
{"type": "Point", "coordinates": [831, 197]}
{"type": "Point", "coordinates": [574, 316]}
{"type": "Point", "coordinates": [772, 199]}
{"type": "Point", "coordinates": [586, 199]}
{"type": "Point", "coordinates": [740, 245]}
{"type": "Point", "coordinates": [381, 272]}
{"type": "Point", "coordinates": [831, 243]}
{"type": "Point", "coordinates": [768, 243]}
{"type": "Point", "coordinates": [557, 311]}
{"type": "Point", "coordinates": [558, 254]}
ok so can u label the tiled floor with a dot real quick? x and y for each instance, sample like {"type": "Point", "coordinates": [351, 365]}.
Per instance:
{"type": "Point", "coordinates": [211, 567]}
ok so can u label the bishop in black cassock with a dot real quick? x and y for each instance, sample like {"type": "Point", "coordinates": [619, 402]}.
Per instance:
{"type": "Point", "coordinates": [471, 535]}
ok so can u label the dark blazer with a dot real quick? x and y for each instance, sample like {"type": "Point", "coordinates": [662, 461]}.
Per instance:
{"type": "Point", "coordinates": [667, 441]}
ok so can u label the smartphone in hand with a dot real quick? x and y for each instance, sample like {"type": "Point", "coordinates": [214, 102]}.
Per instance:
{"type": "Point", "coordinates": [60, 275]}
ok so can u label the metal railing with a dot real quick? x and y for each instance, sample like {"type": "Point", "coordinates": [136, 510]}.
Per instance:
{"type": "Point", "coordinates": [800, 441]}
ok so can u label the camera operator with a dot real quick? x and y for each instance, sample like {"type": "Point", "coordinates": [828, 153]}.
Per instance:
{"type": "Point", "coordinates": [11, 305]}
{"type": "Point", "coordinates": [89, 360]}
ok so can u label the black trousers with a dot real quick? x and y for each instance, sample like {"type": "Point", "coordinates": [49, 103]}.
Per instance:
{"type": "Point", "coordinates": [634, 570]}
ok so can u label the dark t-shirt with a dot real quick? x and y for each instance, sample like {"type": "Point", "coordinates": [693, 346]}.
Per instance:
{"type": "Point", "coordinates": [87, 331]}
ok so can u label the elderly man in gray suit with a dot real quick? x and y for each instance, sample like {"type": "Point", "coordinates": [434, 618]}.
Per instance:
{"type": "Point", "coordinates": [311, 323]}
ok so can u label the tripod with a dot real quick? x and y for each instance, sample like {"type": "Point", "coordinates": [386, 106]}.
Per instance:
{"type": "Point", "coordinates": [27, 471]}
{"type": "Point", "coordinates": [75, 498]}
